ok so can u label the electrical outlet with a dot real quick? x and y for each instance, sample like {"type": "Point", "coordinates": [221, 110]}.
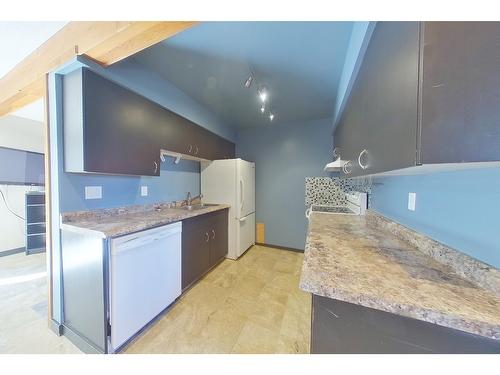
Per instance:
{"type": "Point", "coordinates": [144, 191]}
{"type": "Point", "coordinates": [93, 192]}
{"type": "Point", "coordinates": [412, 200]}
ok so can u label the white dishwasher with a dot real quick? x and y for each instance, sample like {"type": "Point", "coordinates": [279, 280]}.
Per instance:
{"type": "Point", "coordinates": [145, 277]}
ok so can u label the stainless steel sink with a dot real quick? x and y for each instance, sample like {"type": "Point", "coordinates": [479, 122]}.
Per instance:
{"type": "Point", "coordinates": [194, 207]}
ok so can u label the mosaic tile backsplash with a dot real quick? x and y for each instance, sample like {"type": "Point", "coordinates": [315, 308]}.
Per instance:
{"type": "Point", "coordinates": [332, 191]}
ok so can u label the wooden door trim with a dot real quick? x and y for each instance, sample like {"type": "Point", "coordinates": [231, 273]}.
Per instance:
{"type": "Point", "coordinates": [48, 202]}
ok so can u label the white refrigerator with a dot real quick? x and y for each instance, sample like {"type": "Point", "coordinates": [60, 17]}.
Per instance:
{"type": "Point", "coordinates": [232, 182]}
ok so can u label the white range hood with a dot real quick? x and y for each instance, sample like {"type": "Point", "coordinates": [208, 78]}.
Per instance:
{"type": "Point", "coordinates": [334, 166]}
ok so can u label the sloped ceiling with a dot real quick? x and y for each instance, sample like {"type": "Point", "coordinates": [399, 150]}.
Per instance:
{"type": "Point", "coordinates": [300, 63]}
{"type": "Point", "coordinates": [17, 41]}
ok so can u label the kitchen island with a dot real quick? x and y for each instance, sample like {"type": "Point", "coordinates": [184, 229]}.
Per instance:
{"type": "Point", "coordinates": [379, 288]}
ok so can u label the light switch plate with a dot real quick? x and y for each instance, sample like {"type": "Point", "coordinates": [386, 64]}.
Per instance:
{"type": "Point", "coordinates": [412, 200]}
{"type": "Point", "coordinates": [93, 192]}
{"type": "Point", "coordinates": [144, 191]}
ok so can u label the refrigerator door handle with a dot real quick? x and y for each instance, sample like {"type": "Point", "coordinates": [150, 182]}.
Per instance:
{"type": "Point", "coordinates": [242, 201]}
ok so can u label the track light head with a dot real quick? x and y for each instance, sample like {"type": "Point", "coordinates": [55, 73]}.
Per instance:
{"type": "Point", "coordinates": [249, 81]}
{"type": "Point", "coordinates": [262, 92]}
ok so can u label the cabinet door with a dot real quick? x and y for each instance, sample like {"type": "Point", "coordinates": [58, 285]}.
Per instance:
{"type": "Point", "coordinates": [195, 254]}
{"type": "Point", "coordinates": [215, 147]}
{"type": "Point", "coordinates": [210, 146]}
{"type": "Point", "coordinates": [219, 237]}
{"type": "Point", "coordinates": [176, 133]}
{"type": "Point", "coordinates": [349, 132]}
{"type": "Point", "coordinates": [342, 327]}
{"type": "Point", "coordinates": [228, 149]}
{"type": "Point", "coordinates": [119, 136]}
{"type": "Point", "coordinates": [207, 142]}
{"type": "Point", "coordinates": [388, 87]}
{"type": "Point", "coordinates": [461, 92]}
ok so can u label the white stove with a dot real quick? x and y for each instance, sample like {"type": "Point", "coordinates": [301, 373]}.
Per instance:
{"type": "Point", "coordinates": [357, 203]}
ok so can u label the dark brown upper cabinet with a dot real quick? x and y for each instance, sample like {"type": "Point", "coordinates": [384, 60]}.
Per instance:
{"type": "Point", "coordinates": [461, 92]}
{"type": "Point", "coordinates": [107, 128]}
{"type": "Point", "coordinates": [179, 135]}
{"type": "Point", "coordinates": [425, 99]}
{"type": "Point", "coordinates": [112, 130]}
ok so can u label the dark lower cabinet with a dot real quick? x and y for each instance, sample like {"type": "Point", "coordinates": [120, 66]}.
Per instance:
{"type": "Point", "coordinates": [204, 244]}
{"type": "Point", "coordinates": [345, 328]}
{"type": "Point", "coordinates": [218, 237]}
{"type": "Point", "coordinates": [195, 254]}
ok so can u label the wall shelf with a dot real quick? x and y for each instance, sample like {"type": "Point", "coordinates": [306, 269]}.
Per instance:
{"type": "Point", "coordinates": [35, 222]}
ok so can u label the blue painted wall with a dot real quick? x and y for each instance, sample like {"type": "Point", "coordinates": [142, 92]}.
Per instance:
{"type": "Point", "coordinates": [360, 37]}
{"type": "Point", "coordinates": [146, 82]}
{"type": "Point", "coordinates": [174, 181]}
{"type": "Point", "coordinates": [459, 209]}
{"type": "Point", "coordinates": [284, 156]}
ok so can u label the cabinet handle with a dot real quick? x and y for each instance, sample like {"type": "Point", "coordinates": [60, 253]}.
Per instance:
{"type": "Point", "coordinates": [336, 153]}
{"type": "Point", "coordinates": [196, 150]}
{"type": "Point", "coordinates": [156, 166]}
{"type": "Point", "coordinates": [363, 166]}
{"type": "Point", "coordinates": [347, 167]}
{"type": "Point", "coordinates": [190, 148]}
{"type": "Point", "coordinates": [208, 236]}
{"type": "Point", "coordinates": [213, 234]}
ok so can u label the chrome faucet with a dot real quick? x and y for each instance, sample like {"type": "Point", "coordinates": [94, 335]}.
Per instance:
{"type": "Point", "coordinates": [188, 199]}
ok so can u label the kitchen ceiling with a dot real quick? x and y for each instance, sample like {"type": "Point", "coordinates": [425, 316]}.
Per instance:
{"type": "Point", "coordinates": [300, 63]}
{"type": "Point", "coordinates": [18, 40]}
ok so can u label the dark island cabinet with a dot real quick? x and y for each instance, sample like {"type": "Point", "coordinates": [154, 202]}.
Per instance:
{"type": "Point", "coordinates": [112, 130]}
{"type": "Point", "coordinates": [426, 94]}
{"type": "Point", "coordinates": [344, 328]}
{"type": "Point", "coordinates": [204, 245]}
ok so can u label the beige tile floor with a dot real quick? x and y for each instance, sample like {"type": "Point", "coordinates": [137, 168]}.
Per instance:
{"type": "Point", "coordinates": [23, 308]}
{"type": "Point", "coordinates": [252, 305]}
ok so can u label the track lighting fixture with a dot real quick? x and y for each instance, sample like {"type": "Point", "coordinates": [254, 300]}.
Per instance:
{"type": "Point", "coordinates": [262, 92]}
{"type": "Point", "coordinates": [249, 81]}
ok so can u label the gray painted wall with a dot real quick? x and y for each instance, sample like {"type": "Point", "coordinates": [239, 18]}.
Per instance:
{"type": "Point", "coordinates": [284, 156]}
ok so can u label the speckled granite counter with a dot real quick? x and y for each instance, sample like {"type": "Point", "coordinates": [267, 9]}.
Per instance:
{"type": "Point", "coordinates": [356, 259]}
{"type": "Point", "coordinates": [110, 223]}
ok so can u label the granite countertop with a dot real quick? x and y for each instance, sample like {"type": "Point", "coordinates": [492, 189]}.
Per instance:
{"type": "Point", "coordinates": [353, 259]}
{"type": "Point", "coordinates": [118, 222]}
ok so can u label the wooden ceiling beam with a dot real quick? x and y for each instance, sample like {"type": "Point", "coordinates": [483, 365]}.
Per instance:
{"type": "Point", "coordinates": [105, 42]}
